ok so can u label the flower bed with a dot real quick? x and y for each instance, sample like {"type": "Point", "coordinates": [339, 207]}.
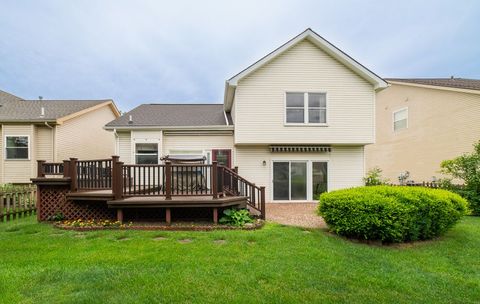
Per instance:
{"type": "Point", "coordinates": [90, 225]}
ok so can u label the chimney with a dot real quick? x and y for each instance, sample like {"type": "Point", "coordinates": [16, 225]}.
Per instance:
{"type": "Point", "coordinates": [452, 78]}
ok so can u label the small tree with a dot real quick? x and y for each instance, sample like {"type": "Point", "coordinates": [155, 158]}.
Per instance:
{"type": "Point", "coordinates": [467, 168]}
{"type": "Point", "coordinates": [374, 177]}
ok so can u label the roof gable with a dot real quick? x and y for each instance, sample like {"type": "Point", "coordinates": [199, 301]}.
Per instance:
{"type": "Point", "coordinates": [321, 43]}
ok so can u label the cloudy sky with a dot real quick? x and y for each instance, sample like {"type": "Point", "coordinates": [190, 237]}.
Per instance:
{"type": "Point", "coordinates": [183, 51]}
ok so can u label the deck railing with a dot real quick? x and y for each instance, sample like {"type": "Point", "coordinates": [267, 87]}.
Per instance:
{"type": "Point", "coordinates": [155, 180]}
{"type": "Point", "coordinates": [234, 184]}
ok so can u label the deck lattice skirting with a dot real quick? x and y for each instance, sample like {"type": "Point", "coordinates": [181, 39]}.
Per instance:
{"type": "Point", "coordinates": [52, 200]}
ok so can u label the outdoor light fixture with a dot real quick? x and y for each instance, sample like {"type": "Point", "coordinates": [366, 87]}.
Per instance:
{"type": "Point", "coordinates": [264, 163]}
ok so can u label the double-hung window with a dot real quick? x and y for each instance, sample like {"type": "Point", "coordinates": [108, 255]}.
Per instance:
{"type": "Point", "coordinates": [306, 108]}
{"type": "Point", "coordinates": [400, 119]}
{"type": "Point", "coordinates": [146, 153]}
{"type": "Point", "coordinates": [16, 147]}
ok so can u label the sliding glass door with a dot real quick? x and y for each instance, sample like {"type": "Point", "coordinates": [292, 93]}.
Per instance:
{"type": "Point", "coordinates": [290, 180]}
{"type": "Point", "coordinates": [299, 180]}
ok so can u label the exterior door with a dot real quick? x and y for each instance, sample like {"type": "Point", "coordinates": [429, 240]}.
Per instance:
{"type": "Point", "coordinates": [222, 157]}
{"type": "Point", "coordinates": [290, 180]}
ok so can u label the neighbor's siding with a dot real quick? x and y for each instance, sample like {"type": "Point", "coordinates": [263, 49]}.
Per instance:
{"type": "Point", "coordinates": [441, 125]}
{"type": "Point", "coordinates": [44, 143]}
{"type": "Point", "coordinates": [260, 97]}
{"type": "Point", "coordinates": [124, 145]}
{"type": "Point", "coordinates": [345, 165]}
{"type": "Point", "coordinates": [19, 171]}
{"type": "Point", "coordinates": [83, 137]}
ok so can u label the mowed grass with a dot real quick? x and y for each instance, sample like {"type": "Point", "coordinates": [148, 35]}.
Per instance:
{"type": "Point", "coordinates": [278, 264]}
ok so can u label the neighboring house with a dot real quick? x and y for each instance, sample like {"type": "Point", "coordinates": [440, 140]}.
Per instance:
{"type": "Point", "coordinates": [296, 122]}
{"type": "Point", "coordinates": [421, 122]}
{"type": "Point", "coordinates": [51, 130]}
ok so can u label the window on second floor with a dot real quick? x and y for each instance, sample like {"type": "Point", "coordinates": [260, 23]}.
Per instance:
{"type": "Point", "coordinates": [306, 108]}
{"type": "Point", "coordinates": [400, 119]}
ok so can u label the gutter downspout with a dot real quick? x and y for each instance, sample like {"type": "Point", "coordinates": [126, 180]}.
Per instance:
{"type": "Point", "coordinates": [53, 140]}
{"type": "Point", "coordinates": [117, 141]}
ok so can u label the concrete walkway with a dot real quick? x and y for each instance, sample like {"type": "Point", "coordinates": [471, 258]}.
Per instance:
{"type": "Point", "coordinates": [295, 214]}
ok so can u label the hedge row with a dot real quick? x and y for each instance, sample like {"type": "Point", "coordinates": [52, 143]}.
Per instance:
{"type": "Point", "coordinates": [391, 214]}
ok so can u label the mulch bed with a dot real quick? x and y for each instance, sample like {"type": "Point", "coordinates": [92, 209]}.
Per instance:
{"type": "Point", "coordinates": [179, 226]}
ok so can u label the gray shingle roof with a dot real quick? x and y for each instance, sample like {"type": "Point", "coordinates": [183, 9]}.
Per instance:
{"type": "Point", "coordinates": [173, 115]}
{"type": "Point", "coordinates": [460, 83]}
{"type": "Point", "coordinates": [13, 108]}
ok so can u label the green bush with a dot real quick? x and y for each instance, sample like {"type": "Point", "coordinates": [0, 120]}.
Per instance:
{"type": "Point", "coordinates": [467, 168]}
{"type": "Point", "coordinates": [236, 217]}
{"type": "Point", "coordinates": [391, 214]}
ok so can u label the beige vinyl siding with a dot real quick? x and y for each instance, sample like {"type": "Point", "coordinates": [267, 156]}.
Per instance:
{"type": "Point", "coordinates": [44, 143]}
{"type": "Point", "coordinates": [200, 143]}
{"type": "Point", "coordinates": [260, 100]}
{"type": "Point", "coordinates": [441, 125]}
{"type": "Point", "coordinates": [1, 158]}
{"type": "Point", "coordinates": [124, 146]}
{"type": "Point", "coordinates": [345, 165]}
{"type": "Point", "coordinates": [84, 137]}
{"type": "Point", "coordinates": [18, 171]}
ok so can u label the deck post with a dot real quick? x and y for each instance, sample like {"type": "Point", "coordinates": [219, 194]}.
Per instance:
{"type": "Point", "coordinates": [117, 180]}
{"type": "Point", "coordinates": [66, 168]}
{"type": "Point", "coordinates": [168, 216]}
{"type": "Point", "coordinates": [213, 182]}
{"type": "Point", "coordinates": [168, 181]}
{"type": "Point", "coordinates": [73, 175]}
{"type": "Point", "coordinates": [215, 215]}
{"type": "Point", "coordinates": [120, 215]}
{"type": "Point", "coordinates": [262, 202]}
{"type": "Point", "coordinates": [40, 171]}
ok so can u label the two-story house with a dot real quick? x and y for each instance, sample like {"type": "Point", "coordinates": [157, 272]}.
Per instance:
{"type": "Point", "coordinates": [51, 130]}
{"type": "Point", "coordinates": [296, 121]}
{"type": "Point", "coordinates": [421, 122]}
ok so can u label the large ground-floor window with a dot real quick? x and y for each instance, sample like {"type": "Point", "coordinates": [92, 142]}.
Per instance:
{"type": "Point", "coordinates": [299, 180]}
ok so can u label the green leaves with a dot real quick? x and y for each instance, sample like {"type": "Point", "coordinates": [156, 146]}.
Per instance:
{"type": "Point", "coordinates": [391, 214]}
{"type": "Point", "coordinates": [467, 168]}
{"type": "Point", "coordinates": [236, 217]}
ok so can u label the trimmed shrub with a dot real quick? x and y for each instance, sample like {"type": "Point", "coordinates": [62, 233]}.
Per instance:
{"type": "Point", "coordinates": [391, 214]}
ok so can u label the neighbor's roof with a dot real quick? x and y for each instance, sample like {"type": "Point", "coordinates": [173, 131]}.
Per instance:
{"type": "Point", "coordinates": [173, 115]}
{"type": "Point", "coordinates": [321, 43]}
{"type": "Point", "coordinates": [15, 109]}
{"type": "Point", "coordinates": [459, 83]}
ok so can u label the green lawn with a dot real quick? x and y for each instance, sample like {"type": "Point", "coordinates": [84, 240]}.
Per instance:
{"type": "Point", "coordinates": [40, 264]}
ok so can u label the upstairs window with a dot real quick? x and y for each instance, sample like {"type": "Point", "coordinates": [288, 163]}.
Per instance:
{"type": "Point", "coordinates": [400, 119]}
{"type": "Point", "coordinates": [146, 154]}
{"type": "Point", "coordinates": [306, 108]}
{"type": "Point", "coordinates": [16, 147]}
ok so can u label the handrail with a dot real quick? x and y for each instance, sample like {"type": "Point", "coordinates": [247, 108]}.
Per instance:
{"type": "Point", "coordinates": [234, 184]}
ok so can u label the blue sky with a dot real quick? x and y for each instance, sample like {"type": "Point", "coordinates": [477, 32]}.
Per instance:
{"type": "Point", "coordinates": [182, 51]}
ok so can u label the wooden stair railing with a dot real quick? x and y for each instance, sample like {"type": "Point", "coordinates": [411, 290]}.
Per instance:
{"type": "Point", "coordinates": [234, 184]}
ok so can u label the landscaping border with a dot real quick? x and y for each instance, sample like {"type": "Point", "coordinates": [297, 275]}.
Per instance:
{"type": "Point", "coordinates": [173, 227]}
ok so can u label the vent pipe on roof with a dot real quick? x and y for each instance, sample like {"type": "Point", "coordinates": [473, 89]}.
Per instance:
{"type": "Point", "coordinates": [42, 112]}
{"type": "Point", "coordinates": [130, 120]}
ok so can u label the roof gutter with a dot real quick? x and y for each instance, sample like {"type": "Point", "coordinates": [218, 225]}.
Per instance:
{"type": "Point", "coordinates": [192, 128]}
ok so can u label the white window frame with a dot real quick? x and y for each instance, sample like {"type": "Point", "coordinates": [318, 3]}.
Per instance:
{"type": "Point", "coordinates": [16, 159]}
{"type": "Point", "coordinates": [149, 143]}
{"type": "Point", "coordinates": [305, 109]}
{"type": "Point", "coordinates": [393, 119]}
{"type": "Point", "coordinates": [309, 177]}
